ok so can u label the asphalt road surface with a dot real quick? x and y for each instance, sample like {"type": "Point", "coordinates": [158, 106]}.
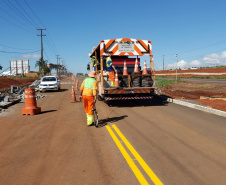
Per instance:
{"type": "Point", "coordinates": [145, 142]}
{"type": "Point", "coordinates": [219, 83]}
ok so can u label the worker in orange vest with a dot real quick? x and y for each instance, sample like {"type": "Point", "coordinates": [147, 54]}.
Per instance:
{"type": "Point", "coordinates": [88, 94]}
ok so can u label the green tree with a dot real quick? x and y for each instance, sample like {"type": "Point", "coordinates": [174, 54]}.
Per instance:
{"type": "Point", "coordinates": [0, 67]}
{"type": "Point", "coordinates": [46, 70]}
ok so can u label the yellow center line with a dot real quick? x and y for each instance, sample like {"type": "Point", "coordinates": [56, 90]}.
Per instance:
{"type": "Point", "coordinates": [143, 164]}
{"type": "Point", "coordinates": [132, 165]}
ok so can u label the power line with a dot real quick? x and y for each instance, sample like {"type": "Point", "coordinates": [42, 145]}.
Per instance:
{"type": "Point", "coordinates": [18, 52]}
{"type": "Point", "coordinates": [49, 39]}
{"type": "Point", "coordinates": [34, 13]}
{"type": "Point", "coordinates": [18, 12]}
{"type": "Point", "coordinates": [16, 25]}
{"type": "Point", "coordinates": [14, 18]}
{"type": "Point", "coordinates": [13, 47]}
{"type": "Point", "coordinates": [54, 46]}
{"type": "Point", "coordinates": [49, 46]}
{"type": "Point", "coordinates": [203, 47]}
{"type": "Point", "coordinates": [26, 13]}
{"type": "Point", "coordinates": [47, 56]}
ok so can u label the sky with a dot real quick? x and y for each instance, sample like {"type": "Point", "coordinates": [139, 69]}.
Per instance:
{"type": "Point", "coordinates": [194, 29]}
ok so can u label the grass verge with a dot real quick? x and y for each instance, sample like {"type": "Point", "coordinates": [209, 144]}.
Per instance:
{"type": "Point", "coordinates": [161, 82]}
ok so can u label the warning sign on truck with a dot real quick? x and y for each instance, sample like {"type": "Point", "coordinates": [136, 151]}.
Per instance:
{"type": "Point", "coordinates": [126, 47]}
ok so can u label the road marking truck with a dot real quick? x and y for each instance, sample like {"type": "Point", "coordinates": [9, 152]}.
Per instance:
{"type": "Point", "coordinates": [124, 51]}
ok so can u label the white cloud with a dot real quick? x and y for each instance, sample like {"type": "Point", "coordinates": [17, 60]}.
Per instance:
{"type": "Point", "coordinates": [208, 60]}
{"type": "Point", "coordinates": [195, 63]}
{"type": "Point", "coordinates": [181, 64]}
{"type": "Point", "coordinates": [215, 59]}
{"type": "Point", "coordinates": [223, 55]}
{"type": "Point", "coordinates": [31, 56]}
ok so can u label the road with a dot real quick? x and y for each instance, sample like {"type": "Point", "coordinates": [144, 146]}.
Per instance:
{"type": "Point", "coordinates": [172, 143]}
{"type": "Point", "coordinates": [218, 83]}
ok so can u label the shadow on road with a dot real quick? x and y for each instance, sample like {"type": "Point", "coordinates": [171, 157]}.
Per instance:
{"type": "Point", "coordinates": [51, 91]}
{"type": "Point", "coordinates": [62, 90]}
{"type": "Point", "coordinates": [156, 101]}
{"type": "Point", "coordinates": [104, 122]}
{"type": "Point", "coordinates": [47, 111]}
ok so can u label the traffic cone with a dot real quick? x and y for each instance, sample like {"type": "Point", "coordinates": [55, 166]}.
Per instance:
{"type": "Point", "coordinates": [30, 103]}
{"type": "Point", "coordinates": [76, 87]}
{"type": "Point", "coordinates": [73, 94]}
{"type": "Point", "coordinates": [136, 69]}
{"type": "Point", "coordinates": [116, 80]}
{"type": "Point", "coordinates": [145, 71]}
{"type": "Point", "coordinates": [125, 72]}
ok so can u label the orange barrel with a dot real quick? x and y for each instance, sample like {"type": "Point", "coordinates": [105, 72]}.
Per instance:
{"type": "Point", "coordinates": [30, 103]}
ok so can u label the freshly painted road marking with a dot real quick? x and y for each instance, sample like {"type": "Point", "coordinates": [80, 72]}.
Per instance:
{"type": "Point", "coordinates": [132, 165]}
{"type": "Point", "coordinates": [143, 164]}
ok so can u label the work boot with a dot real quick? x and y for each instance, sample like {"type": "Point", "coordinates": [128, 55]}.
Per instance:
{"type": "Point", "coordinates": [87, 117]}
{"type": "Point", "coordinates": [90, 120]}
{"type": "Point", "coordinates": [112, 84]}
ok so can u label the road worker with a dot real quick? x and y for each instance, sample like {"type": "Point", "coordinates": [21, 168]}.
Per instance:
{"type": "Point", "coordinates": [94, 63]}
{"type": "Point", "coordinates": [88, 94]}
{"type": "Point", "coordinates": [111, 70]}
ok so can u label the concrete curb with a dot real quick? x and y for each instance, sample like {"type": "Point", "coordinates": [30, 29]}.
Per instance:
{"type": "Point", "coordinates": [198, 107]}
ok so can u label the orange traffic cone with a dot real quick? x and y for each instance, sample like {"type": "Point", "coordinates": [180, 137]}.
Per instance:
{"type": "Point", "coordinates": [136, 69]}
{"type": "Point", "coordinates": [116, 80]}
{"type": "Point", "coordinates": [76, 88]}
{"type": "Point", "coordinates": [30, 103]}
{"type": "Point", "coordinates": [125, 72]}
{"type": "Point", "coordinates": [145, 71]}
{"type": "Point", "coordinates": [73, 94]}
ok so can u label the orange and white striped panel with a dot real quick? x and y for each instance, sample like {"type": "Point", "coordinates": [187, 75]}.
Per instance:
{"type": "Point", "coordinates": [130, 91]}
{"type": "Point", "coordinates": [126, 47]}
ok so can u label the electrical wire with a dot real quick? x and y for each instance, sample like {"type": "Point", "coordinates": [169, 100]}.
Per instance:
{"type": "Point", "coordinates": [19, 52]}
{"type": "Point", "coordinates": [24, 29]}
{"type": "Point", "coordinates": [27, 13]}
{"type": "Point", "coordinates": [48, 40]}
{"type": "Point", "coordinates": [34, 13]}
{"type": "Point", "coordinates": [16, 19]}
{"type": "Point", "coordinates": [203, 47]}
{"type": "Point", "coordinates": [23, 16]}
{"type": "Point", "coordinates": [18, 12]}
{"type": "Point", "coordinates": [15, 48]}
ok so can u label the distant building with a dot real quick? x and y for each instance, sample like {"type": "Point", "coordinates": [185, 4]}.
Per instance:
{"type": "Point", "coordinates": [19, 67]}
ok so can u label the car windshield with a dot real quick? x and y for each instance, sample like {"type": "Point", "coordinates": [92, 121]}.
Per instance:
{"type": "Point", "coordinates": [48, 79]}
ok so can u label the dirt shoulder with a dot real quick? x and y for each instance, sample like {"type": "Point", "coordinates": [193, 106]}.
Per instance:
{"type": "Point", "coordinates": [211, 93]}
{"type": "Point", "coordinates": [5, 83]}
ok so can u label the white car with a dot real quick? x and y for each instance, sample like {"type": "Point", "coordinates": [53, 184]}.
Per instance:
{"type": "Point", "coordinates": [49, 83]}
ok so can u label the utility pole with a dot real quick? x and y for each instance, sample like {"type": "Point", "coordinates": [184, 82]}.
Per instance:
{"type": "Point", "coordinates": [57, 64]}
{"type": "Point", "coordinates": [176, 67]}
{"type": "Point", "coordinates": [163, 62]}
{"type": "Point", "coordinates": [59, 67]}
{"type": "Point", "coordinates": [41, 49]}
